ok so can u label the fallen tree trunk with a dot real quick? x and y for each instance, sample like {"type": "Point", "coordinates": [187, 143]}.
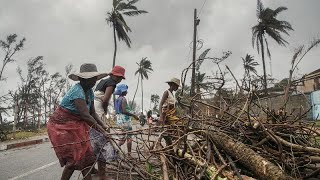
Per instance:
{"type": "Point", "coordinates": [263, 168]}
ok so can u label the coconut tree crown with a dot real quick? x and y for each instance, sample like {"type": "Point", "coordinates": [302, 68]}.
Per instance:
{"type": "Point", "coordinates": [270, 25]}
{"type": "Point", "coordinates": [116, 20]}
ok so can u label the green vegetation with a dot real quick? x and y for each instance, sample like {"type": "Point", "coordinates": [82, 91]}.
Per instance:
{"type": "Point", "coordinates": [27, 134]}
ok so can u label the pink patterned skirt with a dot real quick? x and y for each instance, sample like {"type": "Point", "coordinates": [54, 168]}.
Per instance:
{"type": "Point", "coordinates": [69, 136]}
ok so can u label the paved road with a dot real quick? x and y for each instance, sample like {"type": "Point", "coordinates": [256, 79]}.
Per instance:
{"type": "Point", "coordinates": [35, 162]}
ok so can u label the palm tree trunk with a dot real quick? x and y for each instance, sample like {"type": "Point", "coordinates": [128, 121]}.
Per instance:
{"type": "Point", "coordinates": [115, 47]}
{"type": "Point", "coordinates": [287, 88]}
{"type": "Point", "coordinates": [264, 67]}
{"type": "Point", "coordinates": [141, 92]}
{"type": "Point", "coordinates": [134, 96]}
{"type": "Point", "coordinates": [114, 56]}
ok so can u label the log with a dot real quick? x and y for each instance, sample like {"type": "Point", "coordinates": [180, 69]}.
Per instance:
{"type": "Point", "coordinates": [261, 167]}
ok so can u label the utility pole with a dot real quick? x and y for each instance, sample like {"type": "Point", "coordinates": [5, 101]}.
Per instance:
{"type": "Point", "coordinates": [195, 24]}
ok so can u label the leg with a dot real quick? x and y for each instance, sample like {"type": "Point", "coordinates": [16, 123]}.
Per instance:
{"type": "Point", "coordinates": [102, 170]}
{"type": "Point", "coordinates": [86, 174]}
{"type": "Point", "coordinates": [67, 173]}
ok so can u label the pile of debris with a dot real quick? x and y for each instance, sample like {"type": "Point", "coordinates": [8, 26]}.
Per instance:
{"type": "Point", "coordinates": [233, 146]}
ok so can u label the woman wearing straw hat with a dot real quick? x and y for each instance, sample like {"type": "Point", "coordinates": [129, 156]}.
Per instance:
{"type": "Point", "coordinates": [68, 127]}
{"type": "Point", "coordinates": [167, 107]}
{"type": "Point", "coordinates": [103, 92]}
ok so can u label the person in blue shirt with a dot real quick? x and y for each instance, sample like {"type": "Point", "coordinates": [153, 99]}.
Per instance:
{"type": "Point", "coordinates": [123, 115]}
{"type": "Point", "coordinates": [68, 127]}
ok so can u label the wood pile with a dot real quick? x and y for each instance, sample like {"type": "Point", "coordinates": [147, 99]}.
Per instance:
{"type": "Point", "coordinates": [233, 146]}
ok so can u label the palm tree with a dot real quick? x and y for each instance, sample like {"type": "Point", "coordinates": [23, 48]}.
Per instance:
{"type": "Point", "coordinates": [155, 100]}
{"type": "Point", "coordinates": [118, 23]}
{"type": "Point", "coordinates": [144, 69]}
{"type": "Point", "coordinates": [200, 84]}
{"type": "Point", "coordinates": [270, 25]}
{"type": "Point", "coordinates": [249, 66]}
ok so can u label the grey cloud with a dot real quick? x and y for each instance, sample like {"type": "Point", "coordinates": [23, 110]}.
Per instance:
{"type": "Point", "coordinates": [75, 31]}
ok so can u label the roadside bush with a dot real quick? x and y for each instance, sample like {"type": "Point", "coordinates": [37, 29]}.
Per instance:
{"type": "Point", "coordinates": [5, 130]}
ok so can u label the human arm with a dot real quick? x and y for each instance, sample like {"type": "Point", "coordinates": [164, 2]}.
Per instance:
{"type": "Point", "coordinates": [106, 98]}
{"type": "Point", "coordinates": [124, 111]}
{"type": "Point", "coordinates": [94, 114]}
{"type": "Point", "coordinates": [163, 100]}
{"type": "Point", "coordinates": [85, 115]}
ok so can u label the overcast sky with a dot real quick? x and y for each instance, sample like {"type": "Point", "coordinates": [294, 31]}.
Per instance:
{"type": "Point", "coordinates": [75, 31]}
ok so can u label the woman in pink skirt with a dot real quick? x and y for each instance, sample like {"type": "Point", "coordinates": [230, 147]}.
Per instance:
{"type": "Point", "coordinates": [68, 127]}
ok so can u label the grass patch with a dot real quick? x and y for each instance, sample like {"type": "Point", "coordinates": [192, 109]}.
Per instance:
{"type": "Point", "coordinates": [27, 134]}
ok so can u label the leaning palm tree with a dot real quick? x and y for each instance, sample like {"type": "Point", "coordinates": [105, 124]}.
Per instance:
{"type": "Point", "coordinates": [249, 66]}
{"type": "Point", "coordinates": [117, 22]}
{"type": "Point", "coordinates": [270, 25]}
{"type": "Point", "coordinates": [143, 71]}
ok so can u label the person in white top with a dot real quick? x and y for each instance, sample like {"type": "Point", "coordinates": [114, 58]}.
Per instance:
{"type": "Point", "coordinates": [167, 107]}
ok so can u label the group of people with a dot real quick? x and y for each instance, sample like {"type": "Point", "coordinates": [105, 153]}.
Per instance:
{"type": "Point", "coordinates": [78, 128]}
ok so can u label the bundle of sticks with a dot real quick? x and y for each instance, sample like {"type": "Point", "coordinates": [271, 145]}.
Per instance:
{"type": "Point", "coordinates": [233, 146]}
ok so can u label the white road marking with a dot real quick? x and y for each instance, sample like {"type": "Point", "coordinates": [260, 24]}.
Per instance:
{"type": "Point", "coordinates": [33, 171]}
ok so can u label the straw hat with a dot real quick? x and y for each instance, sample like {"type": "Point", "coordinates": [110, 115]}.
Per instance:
{"type": "Point", "coordinates": [175, 81]}
{"type": "Point", "coordinates": [87, 71]}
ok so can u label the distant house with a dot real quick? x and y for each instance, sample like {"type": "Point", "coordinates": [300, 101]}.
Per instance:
{"type": "Point", "coordinates": [309, 82]}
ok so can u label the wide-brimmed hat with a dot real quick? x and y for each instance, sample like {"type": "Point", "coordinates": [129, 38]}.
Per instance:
{"type": "Point", "coordinates": [87, 71]}
{"type": "Point", "coordinates": [118, 71]}
{"type": "Point", "coordinates": [120, 89]}
{"type": "Point", "coordinates": [175, 81]}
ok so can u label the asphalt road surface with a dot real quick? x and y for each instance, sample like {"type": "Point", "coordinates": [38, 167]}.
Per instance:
{"type": "Point", "coordinates": [37, 162]}
{"type": "Point", "coordinates": [33, 162]}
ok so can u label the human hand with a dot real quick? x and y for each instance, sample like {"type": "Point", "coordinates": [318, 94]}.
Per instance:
{"type": "Point", "coordinates": [107, 128]}
{"type": "Point", "coordinates": [136, 117]}
{"type": "Point", "coordinates": [106, 134]}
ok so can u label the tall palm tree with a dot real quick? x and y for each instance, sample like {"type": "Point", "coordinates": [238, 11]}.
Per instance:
{"type": "Point", "coordinates": [270, 25]}
{"type": "Point", "coordinates": [155, 100]}
{"type": "Point", "coordinates": [249, 66]}
{"type": "Point", "coordinates": [143, 71]}
{"type": "Point", "coordinates": [117, 22]}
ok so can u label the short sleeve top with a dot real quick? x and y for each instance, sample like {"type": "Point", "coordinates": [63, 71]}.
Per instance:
{"type": "Point", "coordinates": [104, 83]}
{"type": "Point", "coordinates": [171, 100]}
{"type": "Point", "coordinates": [121, 118]}
{"type": "Point", "coordinates": [76, 92]}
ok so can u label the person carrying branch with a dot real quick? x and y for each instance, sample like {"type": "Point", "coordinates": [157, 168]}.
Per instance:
{"type": "Point", "coordinates": [103, 93]}
{"type": "Point", "coordinates": [167, 107]}
{"type": "Point", "coordinates": [123, 114]}
{"type": "Point", "coordinates": [68, 127]}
